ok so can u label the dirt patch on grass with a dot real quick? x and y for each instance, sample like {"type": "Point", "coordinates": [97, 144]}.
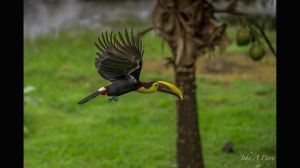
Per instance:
{"type": "Point", "coordinates": [214, 103]}
{"type": "Point", "coordinates": [157, 65]}
{"type": "Point", "coordinates": [228, 67]}
{"type": "Point", "coordinates": [81, 79]}
{"type": "Point", "coordinates": [264, 92]}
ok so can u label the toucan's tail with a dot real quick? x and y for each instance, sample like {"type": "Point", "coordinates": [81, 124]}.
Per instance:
{"type": "Point", "coordinates": [90, 97]}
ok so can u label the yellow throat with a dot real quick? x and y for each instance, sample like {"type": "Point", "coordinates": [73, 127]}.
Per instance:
{"type": "Point", "coordinates": [151, 89]}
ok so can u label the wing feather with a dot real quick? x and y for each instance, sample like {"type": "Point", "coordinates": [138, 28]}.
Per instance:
{"type": "Point", "coordinates": [118, 59]}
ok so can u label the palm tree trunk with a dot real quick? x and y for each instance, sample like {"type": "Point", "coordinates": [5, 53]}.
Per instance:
{"type": "Point", "coordinates": [189, 149]}
{"type": "Point", "coordinates": [187, 27]}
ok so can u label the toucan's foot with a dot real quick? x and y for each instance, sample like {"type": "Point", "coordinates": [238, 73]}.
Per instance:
{"type": "Point", "coordinates": [114, 98]}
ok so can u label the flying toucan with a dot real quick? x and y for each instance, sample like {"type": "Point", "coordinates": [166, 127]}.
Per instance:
{"type": "Point", "coordinates": [120, 62]}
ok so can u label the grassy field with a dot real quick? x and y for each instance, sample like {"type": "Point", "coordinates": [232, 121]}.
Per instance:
{"type": "Point", "coordinates": [140, 130]}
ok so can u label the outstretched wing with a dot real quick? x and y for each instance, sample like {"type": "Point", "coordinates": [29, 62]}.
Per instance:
{"type": "Point", "coordinates": [118, 59]}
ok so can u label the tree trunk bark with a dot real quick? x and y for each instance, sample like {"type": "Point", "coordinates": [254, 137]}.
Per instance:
{"type": "Point", "coordinates": [189, 151]}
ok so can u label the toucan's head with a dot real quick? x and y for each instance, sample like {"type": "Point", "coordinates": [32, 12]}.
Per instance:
{"type": "Point", "coordinates": [161, 86]}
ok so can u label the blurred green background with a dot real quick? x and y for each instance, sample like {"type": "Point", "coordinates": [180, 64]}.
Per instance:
{"type": "Point", "coordinates": [236, 96]}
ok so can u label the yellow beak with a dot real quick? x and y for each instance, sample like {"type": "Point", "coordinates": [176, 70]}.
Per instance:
{"type": "Point", "coordinates": [169, 88]}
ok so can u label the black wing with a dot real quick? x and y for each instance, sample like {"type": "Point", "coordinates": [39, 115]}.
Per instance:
{"type": "Point", "coordinates": [118, 59]}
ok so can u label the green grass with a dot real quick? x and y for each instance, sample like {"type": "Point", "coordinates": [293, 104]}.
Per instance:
{"type": "Point", "coordinates": [138, 130]}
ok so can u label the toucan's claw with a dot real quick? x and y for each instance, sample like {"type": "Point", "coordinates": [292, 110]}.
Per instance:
{"type": "Point", "coordinates": [114, 98]}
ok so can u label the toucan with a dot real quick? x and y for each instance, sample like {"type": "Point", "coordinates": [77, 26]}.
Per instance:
{"type": "Point", "coordinates": [120, 62]}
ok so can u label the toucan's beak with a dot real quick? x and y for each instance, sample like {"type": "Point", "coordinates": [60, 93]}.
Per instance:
{"type": "Point", "coordinates": [169, 88]}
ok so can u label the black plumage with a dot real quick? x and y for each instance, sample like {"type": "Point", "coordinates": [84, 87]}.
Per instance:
{"type": "Point", "coordinates": [93, 95]}
{"type": "Point", "coordinates": [120, 61]}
